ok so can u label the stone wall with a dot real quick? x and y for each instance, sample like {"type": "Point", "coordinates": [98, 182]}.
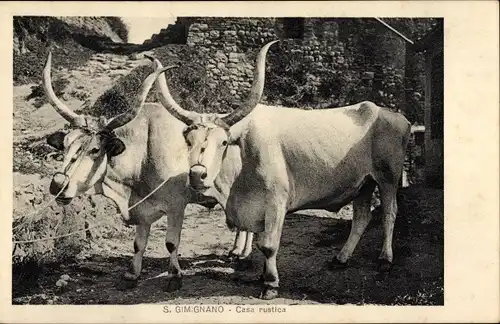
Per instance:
{"type": "Point", "coordinates": [341, 60]}
{"type": "Point", "coordinates": [228, 44]}
{"type": "Point", "coordinates": [325, 62]}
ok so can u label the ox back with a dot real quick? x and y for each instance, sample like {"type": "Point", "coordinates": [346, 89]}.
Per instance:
{"type": "Point", "coordinates": [319, 165]}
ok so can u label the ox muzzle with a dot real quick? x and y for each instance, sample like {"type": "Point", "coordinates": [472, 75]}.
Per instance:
{"type": "Point", "coordinates": [197, 176]}
{"type": "Point", "coordinates": [57, 186]}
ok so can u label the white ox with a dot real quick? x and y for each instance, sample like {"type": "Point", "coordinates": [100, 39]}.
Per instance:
{"type": "Point", "coordinates": [230, 168]}
{"type": "Point", "coordinates": [295, 159]}
{"type": "Point", "coordinates": [127, 158]}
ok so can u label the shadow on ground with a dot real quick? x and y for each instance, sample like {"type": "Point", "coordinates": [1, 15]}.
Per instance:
{"type": "Point", "coordinates": [307, 244]}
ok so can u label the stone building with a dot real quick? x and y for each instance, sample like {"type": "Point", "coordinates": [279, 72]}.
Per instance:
{"type": "Point", "coordinates": [341, 60]}
{"type": "Point", "coordinates": [318, 63]}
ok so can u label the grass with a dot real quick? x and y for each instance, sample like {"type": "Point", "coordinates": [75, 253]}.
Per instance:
{"type": "Point", "coordinates": [36, 36]}
{"type": "Point", "coordinates": [66, 54]}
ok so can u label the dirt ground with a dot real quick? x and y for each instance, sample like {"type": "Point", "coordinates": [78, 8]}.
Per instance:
{"type": "Point", "coordinates": [310, 239]}
{"type": "Point", "coordinates": [308, 242]}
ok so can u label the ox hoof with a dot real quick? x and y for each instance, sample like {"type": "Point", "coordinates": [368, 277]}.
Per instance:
{"type": "Point", "coordinates": [335, 265]}
{"type": "Point", "coordinates": [127, 276]}
{"type": "Point", "coordinates": [384, 266]}
{"type": "Point", "coordinates": [129, 281]}
{"type": "Point", "coordinates": [173, 284]}
{"type": "Point", "coordinates": [269, 293]}
{"type": "Point", "coordinates": [231, 257]}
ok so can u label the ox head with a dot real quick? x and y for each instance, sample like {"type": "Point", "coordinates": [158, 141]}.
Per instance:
{"type": "Point", "coordinates": [90, 143]}
{"type": "Point", "coordinates": [207, 135]}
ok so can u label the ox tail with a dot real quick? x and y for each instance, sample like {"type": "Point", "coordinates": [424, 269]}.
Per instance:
{"type": "Point", "coordinates": [404, 146]}
{"type": "Point", "coordinates": [406, 136]}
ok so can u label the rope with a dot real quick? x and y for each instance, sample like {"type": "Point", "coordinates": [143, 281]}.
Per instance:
{"type": "Point", "coordinates": [88, 228]}
{"type": "Point", "coordinates": [149, 195]}
{"type": "Point", "coordinates": [55, 237]}
{"type": "Point", "coordinates": [77, 163]}
{"type": "Point", "coordinates": [394, 30]}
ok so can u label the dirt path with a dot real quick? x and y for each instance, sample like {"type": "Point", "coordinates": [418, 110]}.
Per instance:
{"type": "Point", "coordinates": [308, 242]}
{"type": "Point", "coordinates": [86, 84]}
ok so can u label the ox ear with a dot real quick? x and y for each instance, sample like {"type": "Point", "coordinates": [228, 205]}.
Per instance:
{"type": "Point", "coordinates": [56, 140]}
{"type": "Point", "coordinates": [114, 146]}
{"type": "Point", "coordinates": [232, 140]}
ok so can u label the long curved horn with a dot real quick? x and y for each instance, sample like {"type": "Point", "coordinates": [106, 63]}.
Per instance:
{"type": "Point", "coordinates": [63, 110]}
{"type": "Point", "coordinates": [138, 101]}
{"type": "Point", "coordinates": [166, 99]}
{"type": "Point", "coordinates": [256, 90]}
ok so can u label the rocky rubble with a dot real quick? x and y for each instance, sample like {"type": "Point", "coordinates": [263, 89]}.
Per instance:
{"type": "Point", "coordinates": [37, 216]}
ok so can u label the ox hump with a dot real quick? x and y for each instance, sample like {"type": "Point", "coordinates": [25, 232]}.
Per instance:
{"type": "Point", "coordinates": [362, 113]}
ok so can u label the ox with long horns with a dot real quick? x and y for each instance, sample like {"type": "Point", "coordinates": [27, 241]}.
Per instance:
{"type": "Point", "coordinates": [139, 159]}
{"type": "Point", "coordinates": [230, 168]}
{"type": "Point", "coordinates": [295, 159]}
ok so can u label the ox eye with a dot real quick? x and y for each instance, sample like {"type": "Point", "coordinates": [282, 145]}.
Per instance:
{"type": "Point", "coordinates": [224, 143]}
{"type": "Point", "coordinates": [188, 143]}
{"type": "Point", "coordinates": [95, 150]}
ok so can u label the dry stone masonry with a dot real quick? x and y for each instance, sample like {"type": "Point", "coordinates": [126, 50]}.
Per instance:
{"type": "Point", "coordinates": [320, 62]}
{"type": "Point", "coordinates": [341, 60]}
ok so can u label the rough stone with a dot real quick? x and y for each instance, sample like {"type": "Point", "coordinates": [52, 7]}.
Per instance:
{"type": "Point", "coordinates": [231, 45]}
{"type": "Point", "coordinates": [220, 57]}
{"type": "Point", "coordinates": [368, 75]}
{"type": "Point", "coordinates": [233, 57]}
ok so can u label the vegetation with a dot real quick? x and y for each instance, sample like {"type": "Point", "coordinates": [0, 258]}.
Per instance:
{"type": "Point", "coordinates": [38, 93]}
{"type": "Point", "coordinates": [118, 26]}
{"type": "Point", "coordinates": [291, 83]}
{"type": "Point", "coordinates": [71, 45]}
{"type": "Point", "coordinates": [187, 82]}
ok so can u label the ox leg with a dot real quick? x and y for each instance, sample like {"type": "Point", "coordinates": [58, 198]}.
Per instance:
{"type": "Point", "coordinates": [140, 242]}
{"type": "Point", "coordinates": [268, 242]}
{"type": "Point", "coordinates": [242, 249]}
{"type": "Point", "coordinates": [248, 245]}
{"type": "Point", "coordinates": [239, 244]}
{"type": "Point", "coordinates": [172, 241]}
{"type": "Point", "coordinates": [360, 220]}
{"type": "Point", "coordinates": [389, 210]}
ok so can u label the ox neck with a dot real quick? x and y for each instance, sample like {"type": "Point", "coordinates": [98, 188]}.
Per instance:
{"type": "Point", "coordinates": [237, 131]}
{"type": "Point", "coordinates": [230, 169]}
